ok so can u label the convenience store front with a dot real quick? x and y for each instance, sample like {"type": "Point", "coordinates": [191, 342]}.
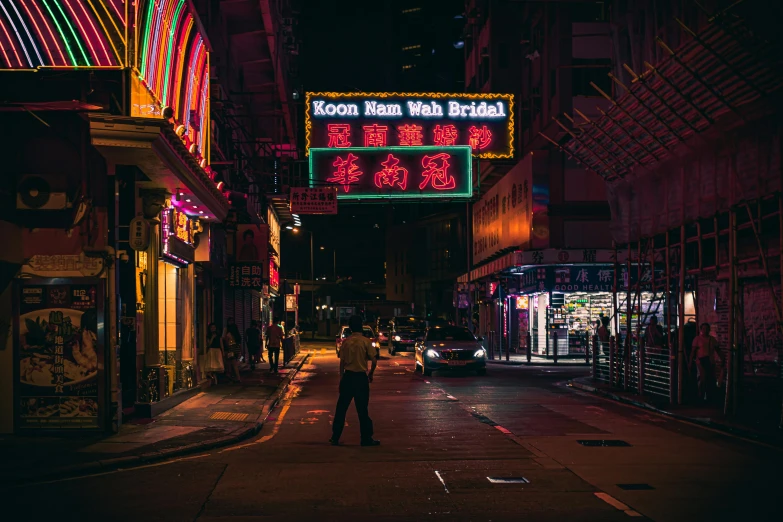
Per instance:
{"type": "Point", "coordinates": [557, 307]}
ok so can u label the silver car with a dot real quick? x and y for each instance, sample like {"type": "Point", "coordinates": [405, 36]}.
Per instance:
{"type": "Point", "coordinates": [450, 348]}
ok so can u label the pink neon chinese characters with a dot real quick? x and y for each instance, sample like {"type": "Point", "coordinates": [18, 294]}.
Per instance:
{"type": "Point", "coordinates": [392, 174]}
{"type": "Point", "coordinates": [436, 172]}
{"type": "Point", "coordinates": [444, 136]}
{"type": "Point", "coordinates": [346, 173]}
{"type": "Point", "coordinates": [479, 138]}
{"type": "Point", "coordinates": [339, 135]}
{"type": "Point", "coordinates": [410, 135]}
{"type": "Point", "coordinates": [375, 135]}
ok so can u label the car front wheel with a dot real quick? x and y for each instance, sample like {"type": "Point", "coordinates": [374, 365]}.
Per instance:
{"type": "Point", "coordinates": [426, 372]}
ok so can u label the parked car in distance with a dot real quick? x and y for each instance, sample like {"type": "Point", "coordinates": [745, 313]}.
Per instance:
{"type": "Point", "coordinates": [405, 331]}
{"type": "Point", "coordinates": [450, 348]}
{"type": "Point", "coordinates": [383, 327]}
{"type": "Point", "coordinates": [345, 332]}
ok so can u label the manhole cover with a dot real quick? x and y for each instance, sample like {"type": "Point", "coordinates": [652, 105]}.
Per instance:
{"type": "Point", "coordinates": [635, 487]}
{"type": "Point", "coordinates": [605, 443]}
{"type": "Point", "coordinates": [508, 480]}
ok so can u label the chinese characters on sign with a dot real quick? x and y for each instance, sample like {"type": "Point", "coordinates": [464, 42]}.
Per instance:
{"type": "Point", "coordinates": [59, 353]}
{"type": "Point", "coordinates": [485, 122]}
{"type": "Point", "coordinates": [321, 200]}
{"type": "Point", "coordinates": [502, 218]}
{"type": "Point", "coordinates": [246, 276]}
{"type": "Point", "coordinates": [393, 172]}
{"type": "Point", "coordinates": [177, 236]}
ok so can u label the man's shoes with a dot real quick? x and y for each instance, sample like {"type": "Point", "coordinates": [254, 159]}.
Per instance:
{"type": "Point", "coordinates": [371, 442]}
{"type": "Point", "coordinates": [334, 442]}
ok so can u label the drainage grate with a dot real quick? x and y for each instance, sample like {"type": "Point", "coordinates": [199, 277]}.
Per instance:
{"type": "Point", "coordinates": [635, 487]}
{"type": "Point", "coordinates": [508, 480]}
{"type": "Point", "coordinates": [605, 443]}
{"type": "Point", "coordinates": [224, 415]}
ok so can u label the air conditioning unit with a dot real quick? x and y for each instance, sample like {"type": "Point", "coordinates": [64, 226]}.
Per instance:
{"type": "Point", "coordinates": [35, 193]}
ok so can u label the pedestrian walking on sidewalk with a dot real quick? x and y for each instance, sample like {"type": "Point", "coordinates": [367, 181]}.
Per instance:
{"type": "Point", "coordinates": [355, 381]}
{"type": "Point", "coordinates": [274, 339]}
{"type": "Point", "coordinates": [214, 359]}
{"type": "Point", "coordinates": [253, 343]}
{"type": "Point", "coordinates": [232, 347]}
{"type": "Point", "coordinates": [705, 350]}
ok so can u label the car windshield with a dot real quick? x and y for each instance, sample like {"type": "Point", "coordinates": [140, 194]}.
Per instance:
{"type": "Point", "coordinates": [366, 331]}
{"type": "Point", "coordinates": [450, 334]}
{"type": "Point", "coordinates": [410, 323]}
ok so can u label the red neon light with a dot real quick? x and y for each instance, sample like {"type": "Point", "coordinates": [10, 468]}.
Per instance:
{"type": "Point", "coordinates": [479, 138]}
{"type": "Point", "coordinates": [410, 135]}
{"type": "Point", "coordinates": [375, 135]}
{"type": "Point", "coordinates": [436, 172]}
{"type": "Point", "coordinates": [445, 136]}
{"type": "Point", "coordinates": [392, 174]}
{"type": "Point", "coordinates": [338, 135]}
{"type": "Point", "coordinates": [345, 176]}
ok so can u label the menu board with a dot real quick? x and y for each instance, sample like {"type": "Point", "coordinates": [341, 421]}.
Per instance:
{"type": "Point", "coordinates": [59, 355]}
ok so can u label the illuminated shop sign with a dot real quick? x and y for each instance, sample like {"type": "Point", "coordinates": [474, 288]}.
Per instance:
{"type": "Point", "coordinates": [178, 235]}
{"type": "Point", "coordinates": [485, 122]}
{"type": "Point", "coordinates": [394, 172]}
{"type": "Point", "coordinates": [274, 276]}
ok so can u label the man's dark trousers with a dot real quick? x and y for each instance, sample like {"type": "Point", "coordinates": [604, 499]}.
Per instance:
{"type": "Point", "coordinates": [353, 386]}
{"type": "Point", "coordinates": [274, 358]}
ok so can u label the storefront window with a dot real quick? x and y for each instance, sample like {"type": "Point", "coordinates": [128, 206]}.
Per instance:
{"type": "Point", "coordinates": [175, 325]}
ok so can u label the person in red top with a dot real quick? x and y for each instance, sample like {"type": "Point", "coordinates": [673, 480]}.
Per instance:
{"type": "Point", "coordinates": [274, 340]}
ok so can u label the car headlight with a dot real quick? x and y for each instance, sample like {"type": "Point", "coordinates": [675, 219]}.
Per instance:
{"type": "Point", "coordinates": [374, 345]}
{"type": "Point", "coordinates": [397, 338]}
{"type": "Point", "coordinates": [432, 354]}
{"type": "Point", "coordinates": [480, 353]}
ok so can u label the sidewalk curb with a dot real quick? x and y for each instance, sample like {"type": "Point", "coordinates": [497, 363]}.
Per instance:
{"type": "Point", "coordinates": [533, 363]}
{"type": "Point", "coordinates": [737, 432]}
{"type": "Point", "coordinates": [132, 461]}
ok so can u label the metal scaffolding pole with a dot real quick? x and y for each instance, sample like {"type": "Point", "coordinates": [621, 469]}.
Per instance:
{"type": "Point", "coordinates": [629, 309]}
{"type": "Point", "coordinates": [681, 322]}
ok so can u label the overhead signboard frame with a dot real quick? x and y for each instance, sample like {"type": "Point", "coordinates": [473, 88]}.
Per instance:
{"type": "Point", "coordinates": [368, 173]}
{"type": "Point", "coordinates": [483, 121]}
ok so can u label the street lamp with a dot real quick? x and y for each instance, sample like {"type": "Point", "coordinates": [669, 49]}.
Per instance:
{"type": "Point", "coordinates": [295, 230]}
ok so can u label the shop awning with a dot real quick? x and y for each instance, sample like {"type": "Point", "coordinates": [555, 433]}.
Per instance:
{"type": "Point", "coordinates": [153, 146]}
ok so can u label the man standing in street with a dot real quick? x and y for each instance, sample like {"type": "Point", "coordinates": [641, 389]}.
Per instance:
{"type": "Point", "coordinates": [355, 352]}
{"type": "Point", "coordinates": [274, 339]}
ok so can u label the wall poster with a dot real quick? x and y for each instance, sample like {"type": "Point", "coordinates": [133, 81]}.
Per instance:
{"type": "Point", "coordinates": [59, 354]}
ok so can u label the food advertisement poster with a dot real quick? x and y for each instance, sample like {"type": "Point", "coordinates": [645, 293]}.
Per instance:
{"type": "Point", "coordinates": [59, 355]}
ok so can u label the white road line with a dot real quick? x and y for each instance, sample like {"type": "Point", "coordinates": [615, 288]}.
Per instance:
{"type": "Point", "coordinates": [437, 473]}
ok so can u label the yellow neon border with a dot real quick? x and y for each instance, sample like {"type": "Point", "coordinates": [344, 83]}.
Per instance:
{"type": "Point", "coordinates": [437, 95]}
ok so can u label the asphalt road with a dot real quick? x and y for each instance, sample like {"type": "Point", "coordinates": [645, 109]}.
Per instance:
{"type": "Point", "coordinates": [443, 438]}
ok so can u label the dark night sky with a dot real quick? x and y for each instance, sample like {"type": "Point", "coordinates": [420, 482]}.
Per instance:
{"type": "Point", "coordinates": [353, 45]}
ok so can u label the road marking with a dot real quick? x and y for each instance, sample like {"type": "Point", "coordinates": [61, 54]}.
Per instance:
{"type": "Point", "coordinates": [452, 398]}
{"type": "Point", "coordinates": [609, 499]}
{"type": "Point", "coordinates": [437, 473]}
{"type": "Point", "coordinates": [503, 430]}
{"type": "Point", "coordinates": [427, 382]}
{"type": "Point", "coordinates": [269, 437]}
{"type": "Point", "coordinates": [508, 480]}
{"type": "Point", "coordinates": [228, 416]}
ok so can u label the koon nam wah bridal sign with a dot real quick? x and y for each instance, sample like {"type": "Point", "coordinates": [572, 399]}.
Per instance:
{"type": "Point", "coordinates": [484, 122]}
{"type": "Point", "coordinates": [394, 172]}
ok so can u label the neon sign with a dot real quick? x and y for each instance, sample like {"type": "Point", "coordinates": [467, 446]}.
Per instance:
{"type": "Point", "coordinates": [484, 122]}
{"type": "Point", "coordinates": [178, 235]}
{"type": "Point", "coordinates": [274, 275]}
{"type": "Point", "coordinates": [394, 172]}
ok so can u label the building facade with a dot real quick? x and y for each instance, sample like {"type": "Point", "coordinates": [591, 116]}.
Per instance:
{"type": "Point", "coordinates": [119, 228]}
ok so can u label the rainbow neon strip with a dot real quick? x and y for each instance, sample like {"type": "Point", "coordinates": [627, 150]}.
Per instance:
{"type": "Point", "coordinates": [61, 33]}
{"type": "Point", "coordinates": [172, 62]}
